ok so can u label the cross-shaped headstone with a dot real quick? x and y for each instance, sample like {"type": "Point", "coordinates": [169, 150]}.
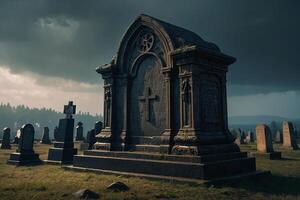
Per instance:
{"type": "Point", "coordinates": [69, 110]}
{"type": "Point", "coordinates": [146, 99]}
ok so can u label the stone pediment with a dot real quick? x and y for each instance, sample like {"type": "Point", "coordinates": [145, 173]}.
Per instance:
{"type": "Point", "coordinates": [156, 37]}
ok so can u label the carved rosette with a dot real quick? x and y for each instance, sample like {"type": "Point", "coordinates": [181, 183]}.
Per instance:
{"type": "Point", "coordinates": [145, 42]}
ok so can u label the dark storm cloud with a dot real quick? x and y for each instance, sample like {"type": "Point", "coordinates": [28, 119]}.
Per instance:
{"type": "Point", "coordinates": [70, 38]}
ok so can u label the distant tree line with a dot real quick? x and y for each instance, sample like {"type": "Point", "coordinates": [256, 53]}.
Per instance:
{"type": "Point", "coordinates": [15, 116]}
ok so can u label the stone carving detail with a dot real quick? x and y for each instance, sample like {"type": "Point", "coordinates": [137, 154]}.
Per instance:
{"type": "Point", "coordinates": [148, 96]}
{"type": "Point", "coordinates": [107, 101]}
{"type": "Point", "coordinates": [186, 101]}
{"type": "Point", "coordinates": [210, 101]}
{"type": "Point", "coordinates": [145, 42]}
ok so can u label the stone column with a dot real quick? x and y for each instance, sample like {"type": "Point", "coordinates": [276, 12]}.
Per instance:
{"type": "Point", "coordinates": [108, 97]}
{"type": "Point", "coordinates": [166, 137]}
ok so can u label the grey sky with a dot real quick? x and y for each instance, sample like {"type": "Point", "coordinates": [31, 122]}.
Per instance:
{"type": "Point", "coordinates": [68, 39]}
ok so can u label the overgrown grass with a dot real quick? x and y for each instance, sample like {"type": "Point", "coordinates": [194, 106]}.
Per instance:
{"type": "Point", "coordinates": [52, 182]}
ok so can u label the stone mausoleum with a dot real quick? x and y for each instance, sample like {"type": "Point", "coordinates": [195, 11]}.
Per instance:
{"type": "Point", "coordinates": [165, 109]}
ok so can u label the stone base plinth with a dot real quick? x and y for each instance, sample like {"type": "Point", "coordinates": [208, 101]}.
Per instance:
{"type": "Point", "coordinates": [61, 155]}
{"type": "Point", "coordinates": [102, 146]}
{"type": "Point", "coordinates": [24, 159]}
{"type": "Point", "coordinates": [192, 167]}
{"type": "Point", "coordinates": [271, 155]}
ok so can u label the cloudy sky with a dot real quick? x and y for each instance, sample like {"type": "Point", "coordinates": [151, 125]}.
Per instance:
{"type": "Point", "coordinates": [49, 49]}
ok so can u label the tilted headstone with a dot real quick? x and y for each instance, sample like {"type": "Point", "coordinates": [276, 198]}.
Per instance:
{"type": "Point", "coordinates": [79, 132]}
{"type": "Point", "coordinates": [264, 142]}
{"type": "Point", "coordinates": [56, 133]}
{"type": "Point", "coordinates": [6, 139]}
{"type": "Point", "coordinates": [279, 137]}
{"type": "Point", "coordinates": [64, 150]}
{"type": "Point", "coordinates": [264, 139]}
{"type": "Point", "coordinates": [46, 138]}
{"type": "Point", "coordinates": [25, 153]}
{"type": "Point", "coordinates": [289, 138]}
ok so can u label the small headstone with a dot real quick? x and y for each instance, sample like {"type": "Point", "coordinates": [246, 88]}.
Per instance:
{"type": "Point", "coordinates": [17, 137]}
{"type": "Point", "coordinates": [79, 132]}
{"type": "Point", "coordinates": [264, 142]}
{"type": "Point", "coordinates": [86, 194]}
{"type": "Point", "coordinates": [91, 138]}
{"type": "Point", "coordinates": [243, 137]}
{"type": "Point", "coordinates": [240, 137]}
{"type": "Point", "coordinates": [98, 127]}
{"type": "Point", "coordinates": [64, 150]}
{"type": "Point", "coordinates": [91, 135]}
{"type": "Point", "coordinates": [25, 154]}
{"type": "Point", "coordinates": [249, 137]}
{"type": "Point", "coordinates": [6, 139]}
{"type": "Point", "coordinates": [279, 137]}
{"type": "Point", "coordinates": [56, 133]}
{"type": "Point", "coordinates": [46, 139]}
{"type": "Point", "coordinates": [289, 138]}
{"type": "Point", "coordinates": [237, 140]}
{"type": "Point", "coordinates": [118, 187]}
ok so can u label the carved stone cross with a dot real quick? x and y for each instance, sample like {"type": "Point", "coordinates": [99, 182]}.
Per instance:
{"type": "Point", "coordinates": [69, 110]}
{"type": "Point", "coordinates": [146, 99]}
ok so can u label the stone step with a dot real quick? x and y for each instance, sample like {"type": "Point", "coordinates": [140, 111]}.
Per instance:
{"type": "Point", "coordinates": [167, 157]}
{"type": "Point", "coordinates": [167, 168]}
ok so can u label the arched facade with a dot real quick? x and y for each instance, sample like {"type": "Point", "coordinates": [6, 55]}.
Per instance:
{"type": "Point", "coordinates": [164, 90]}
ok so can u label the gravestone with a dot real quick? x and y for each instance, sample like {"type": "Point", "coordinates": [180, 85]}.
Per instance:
{"type": "Point", "coordinates": [250, 137]}
{"type": "Point", "coordinates": [45, 138]}
{"type": "Point", "coordinates": [79, 132]}
{"type": "Point", "coordinates": [240, 137]}
{"type": "Point", "coordinates": [64, 150]}
{"type": "Point", "coordinates": [165, 93]}
{"type": "Point", "coordinates": [237, 137]}
{"type": "Point", "coordinates": [264, 143]}
{"type": "Point", "coordinates": [25, 154]}
{"type": "Point", "coordinates": [6, 139]}
{"type": "Point", "coordinates": [89, 142]}
{"type": "Point", "coordinates": [279, 137]}
{"type": "Point", "coordinates": [91, 138]}
{"type": "Point", "coordinates": [56, 133]}
{"type": "Point", "coordinates": [17, 137]}
{"type": "Point", "coordinates": [289, 138]}
{"type": "Point", "coordinates": [92, 134]}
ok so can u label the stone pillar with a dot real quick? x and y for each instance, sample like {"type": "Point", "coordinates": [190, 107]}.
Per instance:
{"type": "Point", "coordinates": [167, 136]}
{"type": "Point", "coordinates": [104, 138]}
{"type": "Point", "coordinates": [203, 104]}
{"type": "Point", "coordinates": [108, 96]}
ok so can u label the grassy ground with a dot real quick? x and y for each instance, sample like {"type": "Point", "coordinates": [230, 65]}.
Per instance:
{"type": "Point", "coordinates": [52, 182]}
